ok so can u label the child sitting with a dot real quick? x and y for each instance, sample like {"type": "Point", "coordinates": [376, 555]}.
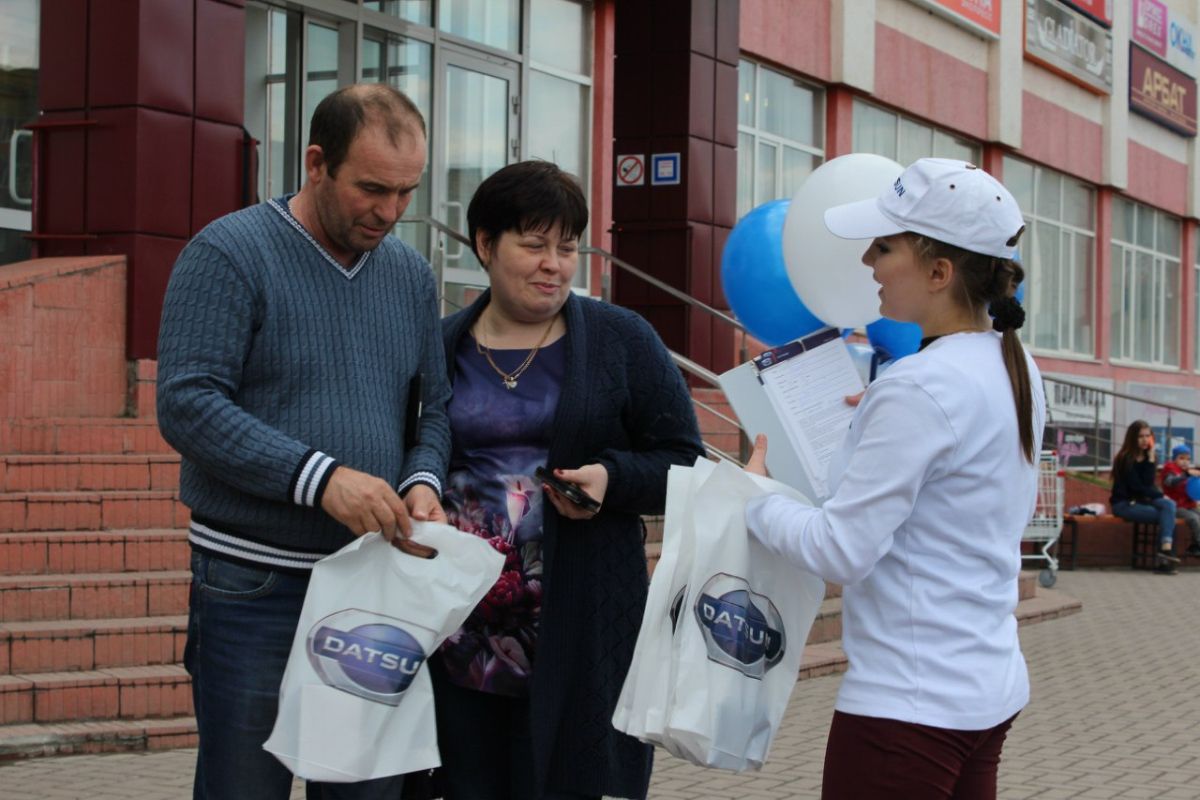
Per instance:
{"type": "Point", "coordinates": [1175, 475]}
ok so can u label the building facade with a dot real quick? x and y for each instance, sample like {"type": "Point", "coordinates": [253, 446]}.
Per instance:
{"type": "Point", "coordinates": [151, 117]}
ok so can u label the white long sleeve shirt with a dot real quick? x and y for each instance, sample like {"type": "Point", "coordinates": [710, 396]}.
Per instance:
{"type": "Point", "coordinates": [930, 495]}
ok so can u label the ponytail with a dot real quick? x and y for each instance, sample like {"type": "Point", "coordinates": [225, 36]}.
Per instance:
{"type": "Point", "coordinates": [1008, 317]}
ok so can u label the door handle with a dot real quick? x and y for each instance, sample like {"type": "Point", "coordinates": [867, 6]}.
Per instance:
{"type": "Point", "coordinates": [14, 145]}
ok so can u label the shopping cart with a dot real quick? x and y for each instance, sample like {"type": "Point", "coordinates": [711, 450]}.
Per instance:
{"type": "Point", "coordinates": [1046, 526]}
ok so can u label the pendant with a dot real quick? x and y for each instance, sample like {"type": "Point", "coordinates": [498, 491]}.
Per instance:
{"type": "Point", "coordinates": [510, 382]}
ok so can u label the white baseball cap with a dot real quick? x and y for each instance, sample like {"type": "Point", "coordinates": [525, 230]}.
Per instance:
{"type": "Point", "coordinates": [942, 198]}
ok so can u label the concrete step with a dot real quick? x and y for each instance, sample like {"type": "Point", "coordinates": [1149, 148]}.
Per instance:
{"type": "Point", "coordinates": [25, 598]}
{"type": "Point", "coordinates": [89, 511]}
{"type": "Point", "coordinates": [117, 693]}
{"type": "Point", "coordinates": [96, 435]}
{"type": "Point", "coordinates": [50, 552]}
{"type": "Point", "coordinates": [72, 645]}
{"type": "Point", "coordinates": [76, 738]}
{"type": "Point", "coordinates": [73, 473]}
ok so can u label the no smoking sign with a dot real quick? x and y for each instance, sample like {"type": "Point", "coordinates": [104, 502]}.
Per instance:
{"type": "Point", "coordinates": [631, 170]}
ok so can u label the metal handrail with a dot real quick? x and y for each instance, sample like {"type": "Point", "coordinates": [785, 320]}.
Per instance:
{"type": "Point", "coordinates": [1104, 432]}
{"type": "Point", "coordinates": [658, 284]}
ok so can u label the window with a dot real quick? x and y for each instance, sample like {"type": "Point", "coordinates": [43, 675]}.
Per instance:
{"type": "Point", "coordinates": [406, 64]}
{"type": "Point", "coordinates": [1196, 306]}
{"type": "Point", "coordinates": [781, 134]}
{"type": "Point", "coordinates": [1145, 285]}
{"type": "Point", "coordinates": [19, 90]}
{"type": "Point", "coordinates": [560, 90]}
{"type": "Point", "coordinates": [1058, 254]}
{"type": "Point", "coordinates": [902, 139]}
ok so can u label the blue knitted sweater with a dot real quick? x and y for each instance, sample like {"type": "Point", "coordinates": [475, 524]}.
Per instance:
{"type": "Point", "coordinates": [276, 364]}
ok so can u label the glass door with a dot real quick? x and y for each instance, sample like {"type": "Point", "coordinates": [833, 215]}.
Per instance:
{"type": "Point", "coordinates": [478, 115]}
{"type": "Point", "coordinates": [18, 106]}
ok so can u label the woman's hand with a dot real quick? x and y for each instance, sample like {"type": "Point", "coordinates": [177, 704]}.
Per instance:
{"type": "Point", "coordinates": [591, 478]}
{"type": "Point", "coordinates": [757, 465]}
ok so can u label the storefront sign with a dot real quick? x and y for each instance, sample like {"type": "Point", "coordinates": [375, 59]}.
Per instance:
{"type": "Point", "coordinates": [1159, 91]}
{"type": "Point", "coordinates": [1068, 42]}
{"type": "Point", "coordinates": [980, 16]}
{"type": "Point", "coordinates": [1150, 26]}
{"type": "Point", "coordinates": [1181, 46]}
{"type": "Point", "coordinates": [1166, 35]}
{"type": "Point", "coordinates": [1099, 10]}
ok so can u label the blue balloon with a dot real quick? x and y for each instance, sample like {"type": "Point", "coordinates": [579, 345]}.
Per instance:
{"type": "Point", "coordinates": [755, 279]}
{"type": "Point", "coordinates": [894, 339]}
{"type": "Point", "coordinates": [1193, 488]}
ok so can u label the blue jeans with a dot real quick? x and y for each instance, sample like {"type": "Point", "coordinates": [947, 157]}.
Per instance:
{"type": "Point", "coordinates": [1161, 511]}
{"type": "Point", "coordinates": [241, 623]}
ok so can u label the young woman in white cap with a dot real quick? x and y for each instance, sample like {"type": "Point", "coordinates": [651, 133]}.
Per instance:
{"type": "Point", "coordinates": [931, 492]}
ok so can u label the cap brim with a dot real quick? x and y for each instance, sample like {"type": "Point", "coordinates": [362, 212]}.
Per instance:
{"type": "Point", "coordinates": [860, 220]}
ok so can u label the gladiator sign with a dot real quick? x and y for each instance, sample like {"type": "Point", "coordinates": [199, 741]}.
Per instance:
{"type": "Point", "coordinates": [1159, 91]}
{"type": "Point", "coordinates": [1069, 43]}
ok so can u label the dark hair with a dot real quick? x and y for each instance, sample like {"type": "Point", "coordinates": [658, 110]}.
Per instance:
{"type": "Point", "coordinates": [985, 281]}
{"type": "Point", "coordinates": [1129, 448]}
{"type": "Point", "coordinates": [527, 196]}
{"type": "Point", "coordinates": [341, 115]}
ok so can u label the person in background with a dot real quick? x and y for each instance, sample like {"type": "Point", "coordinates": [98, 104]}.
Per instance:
{"type": "Point", "coordinates": [291, 334]}
{"type": "Point", "coordinates": [931, 493]}
{"type": "Point", "coordinates": [525, 691]}
{"type": "Point", "coordinates": [1175, 475]}
{"type": "Point", "coordinates": [1136, 498]}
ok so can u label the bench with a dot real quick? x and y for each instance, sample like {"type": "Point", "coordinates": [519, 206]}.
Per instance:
{"type": "Point", "coordinates": [1143, 545]}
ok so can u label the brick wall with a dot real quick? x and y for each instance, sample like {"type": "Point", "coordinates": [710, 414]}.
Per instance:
{"type": "Point", "coordinates": [62, 337]}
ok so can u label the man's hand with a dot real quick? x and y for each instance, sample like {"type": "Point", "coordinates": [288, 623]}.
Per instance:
{"type": "Point", "coordinates": [422, 502]}
{"type": "Point", "coordinates": [364, 503]}
{"type": "Point", "coordinates": [591, 478]}
{"type": "Point", "coordinates": [855, 399]}
{"type": "Point", "coordinates": [757, 465]}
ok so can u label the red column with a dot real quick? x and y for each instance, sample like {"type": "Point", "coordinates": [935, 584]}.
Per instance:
{"type": "Point", "coordinates": [157, 89]}
{"type": "Point", "coordinates": [675, 91]}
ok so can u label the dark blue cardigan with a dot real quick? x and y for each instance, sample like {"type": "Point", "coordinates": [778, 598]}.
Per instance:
{"type": "Point", "coordinates": [624, 404]}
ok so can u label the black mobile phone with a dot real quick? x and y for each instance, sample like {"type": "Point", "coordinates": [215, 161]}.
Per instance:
{"type": "Point", "coordinates": [568, 490]}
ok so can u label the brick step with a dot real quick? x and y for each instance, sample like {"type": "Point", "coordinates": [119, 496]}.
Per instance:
{"type": "Point", "coordinates": [76, 738]}
{"type": "Point", "coordinates": [71, 645]}
{"type": "Point", "coordinates": [89, 511]}
{"type": "Point", "coordinates": [72, 473]}
{"type": "Point", "coordinates": [29, 598]}
{"type": "Point", "coordinates": [116, 693]}
{"type": "Point", "coordinates": [97, 435]}
{"type": "Point", "coordinates": [51, 552]}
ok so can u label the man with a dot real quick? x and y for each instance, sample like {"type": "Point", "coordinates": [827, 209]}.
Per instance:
{"type": "Point", "coordinates": [291, 334]}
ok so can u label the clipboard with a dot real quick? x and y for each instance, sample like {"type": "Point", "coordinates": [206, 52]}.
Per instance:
{"type": "Point", "coordinates": [795, 394]}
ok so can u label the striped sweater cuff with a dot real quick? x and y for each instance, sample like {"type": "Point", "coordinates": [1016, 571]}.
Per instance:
{"type": "Point", "coordinates": [308, 484]}
{"type": "Point", "coordinates": [427, 478]}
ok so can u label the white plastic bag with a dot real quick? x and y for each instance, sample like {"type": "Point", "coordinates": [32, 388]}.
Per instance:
{"type": "Point", "coordinates": [735, 646]}
{"type": "Point", "coordinates": [642, 707]}
{"type": "Point", "coordinates": [355, 703]}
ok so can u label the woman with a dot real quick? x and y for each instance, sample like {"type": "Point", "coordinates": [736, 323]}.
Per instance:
{"type": "Point", "coordinates": [931, 492]}
{"type": "Point", "coordinates": [542, 377]}
{"type": "Point", "coordinates": [1137, 499]}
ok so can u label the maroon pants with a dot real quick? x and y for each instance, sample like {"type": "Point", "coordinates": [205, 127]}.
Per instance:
{"type": "Point", "coordinates": [870, 757]}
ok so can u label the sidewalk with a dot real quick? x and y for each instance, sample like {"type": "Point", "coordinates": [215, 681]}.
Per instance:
{"type": "Point", "coordinates": [1116, 702]}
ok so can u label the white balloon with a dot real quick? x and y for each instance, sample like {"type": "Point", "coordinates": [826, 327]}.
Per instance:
{"type": "Point", "coordinates": [825, 270]}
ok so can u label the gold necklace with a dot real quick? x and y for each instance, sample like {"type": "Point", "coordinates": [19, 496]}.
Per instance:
{"type": "Point", "coordinates": [509, 379]}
